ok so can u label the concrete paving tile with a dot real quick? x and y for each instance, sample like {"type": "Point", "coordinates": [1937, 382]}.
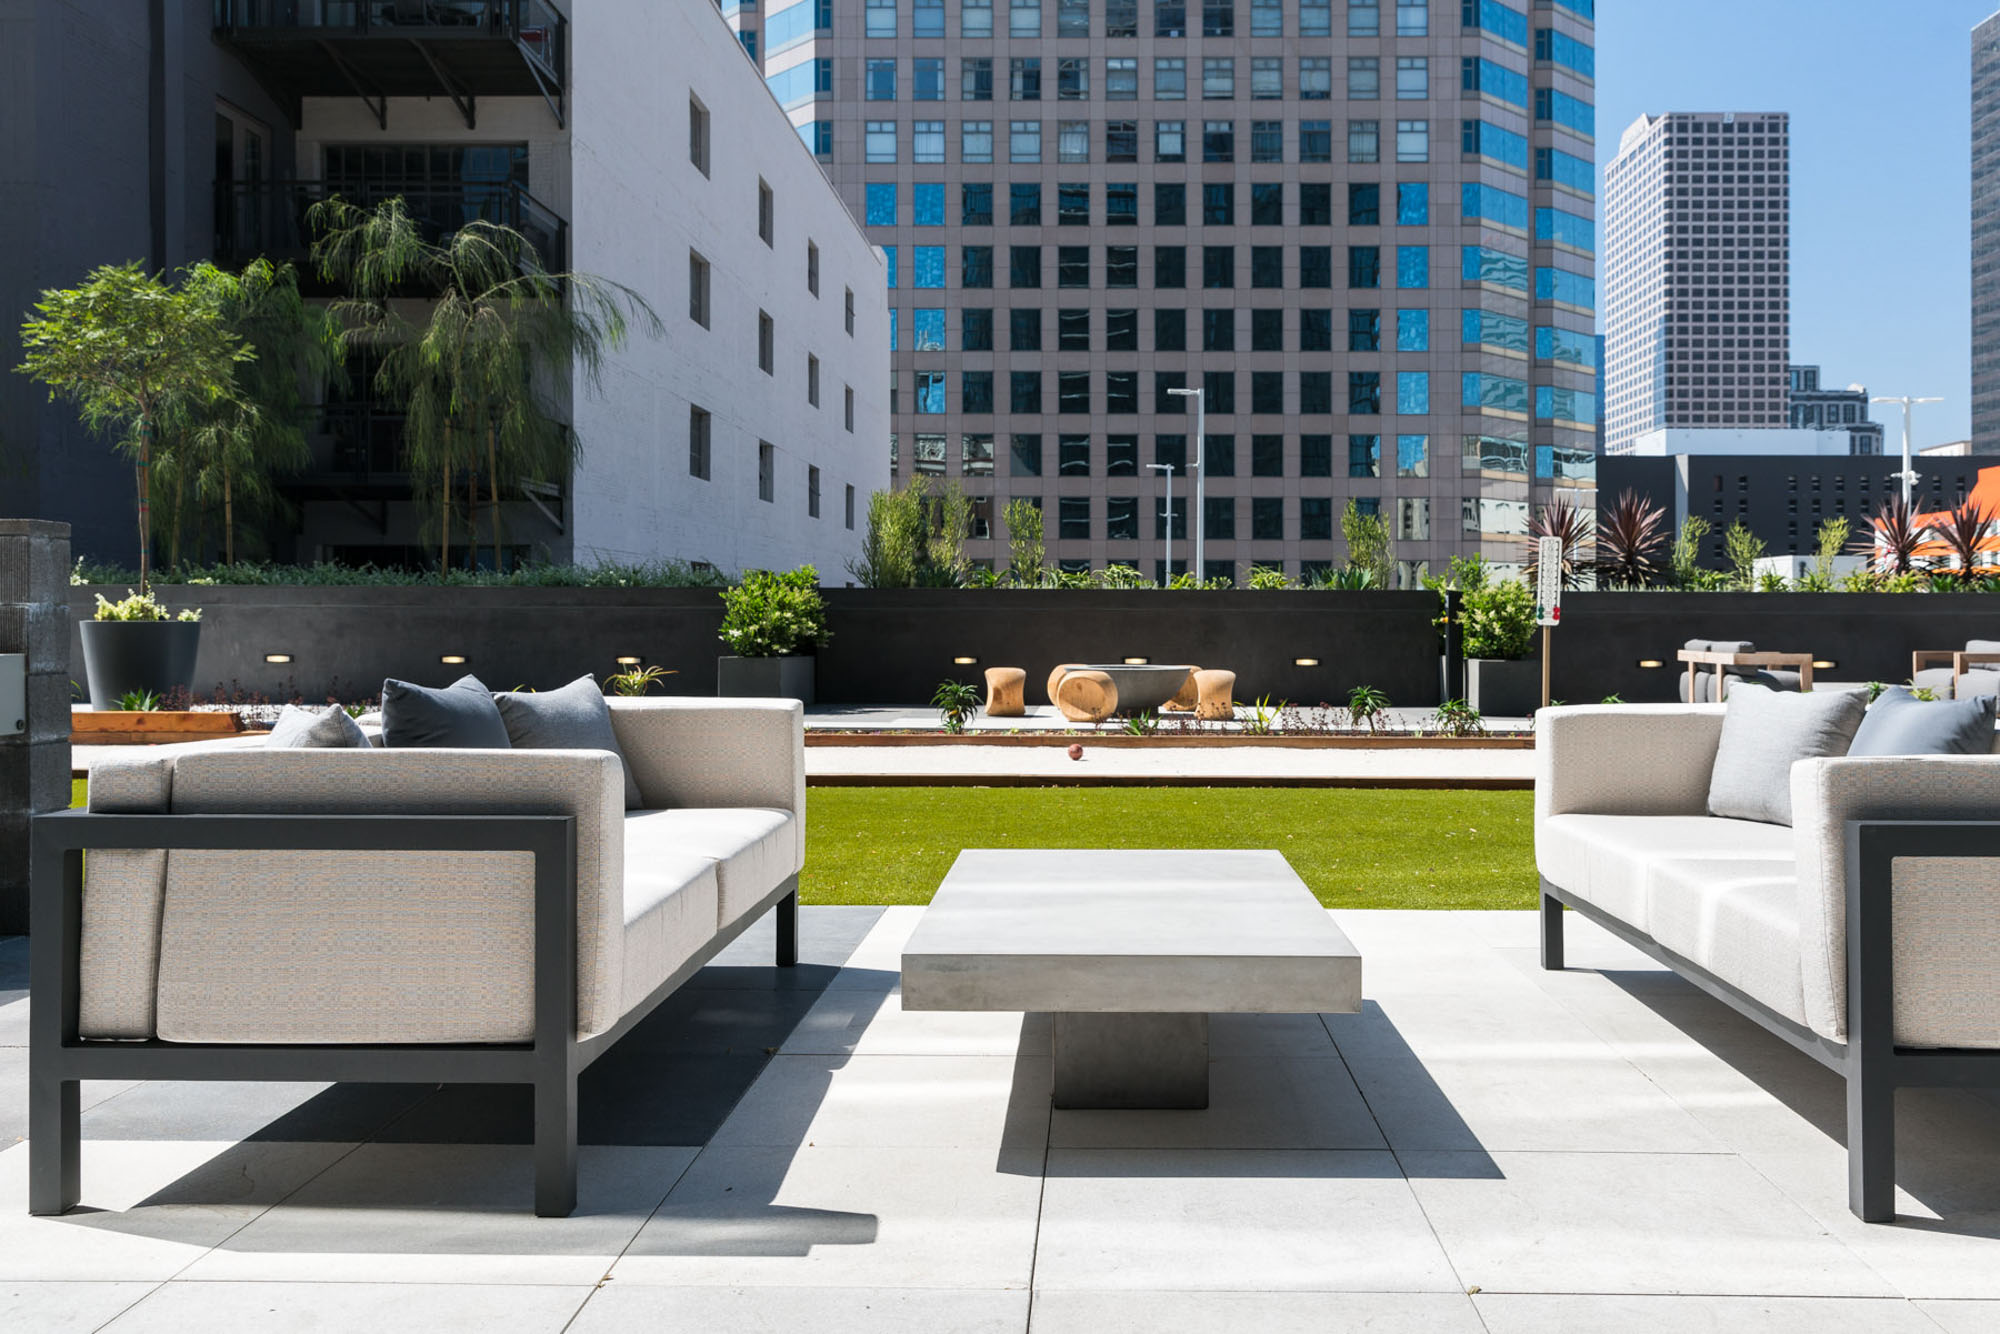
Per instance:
{"type": "Point", "coordinates": [865, 1021]}
{"type": "Point", "coordinates": [1964, 1317]}
{"type": "Point", "coordinates": [844, 1217]}
{"type": "Point", "coordinates": [162, 1110]}
{"type": "Point", "coordinates": [380, 1308]}
{"type": "Point", "coordinates": [1067, 1312]}
{"type": "Point", "coordinates": [1503, 1102]}
{"type": "Point", "coordinates": [698, 1021]}
{"type": "Point", "coordinates": [828, 934]}
{"type": "Point", "coordinates": [878, 960]}
{"type": "Point", "coordinates": [1175, 1219]}
{"type": "Point", "coordinates": [1254, 1102]}
{"type": "Point", "coordinates": [1267, 1035]}
{"type": "Point", "coordinates": [14, 1094]}
{"type": "Point", "coordinates": [434, 1213]}
{"type": "Point", "coordinates": [1442, 1024]}
{"type": "Point", "coordinates": [64, 1308]}
{"type": "Point", "coordinates": [14, 1019]}
{"type": "Point", "coordinates": [620, 1307]}
{"type": "Point", "coordinates": [1630, 1223]}
{"type": "Point", "coordinates": [149, 1209]}
{"type": "Point", "coordinates": [1570, 1314]}
{"type": "Point", "coordinates": [887, 1102]}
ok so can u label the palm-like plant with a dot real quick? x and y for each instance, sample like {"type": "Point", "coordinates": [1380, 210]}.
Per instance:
{"type": "Point", "coordinates": [1894, 541]}
{"type": "Point", "coordinates": [1630, 538]}
{"type": "Point", "coordinates": [477, 368]}
{"type": "Point", "coordinates": [1563, 520]}
{"type": "Point", "coordinates": [1965, 536]}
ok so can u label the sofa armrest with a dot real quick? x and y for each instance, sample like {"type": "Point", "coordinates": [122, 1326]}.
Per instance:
{"type": "Point", "coordinates": [1625, 759]}
{"type": "Point", "coordinates": [715, 752]}
{"type": "Point", "coordinates": [1922, 909]}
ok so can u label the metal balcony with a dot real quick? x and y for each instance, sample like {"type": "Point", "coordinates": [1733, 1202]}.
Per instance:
{"type": "Point", "coordinates": [379, 49]}
{"type": "Point", "coordinates": [269, 220]}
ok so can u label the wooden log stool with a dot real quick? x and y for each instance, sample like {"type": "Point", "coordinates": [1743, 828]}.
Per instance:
{"type": "Point", "coordinates": [1006, 692]}
{"type": "Point", "coordinates": [1215, 695]}
{"type": "Point", "coordinates": [1086, 696]}
{"type": "Point", "coordinates": [1056, 676]}
{"type": "Point", "coordinates": [1186, 697]}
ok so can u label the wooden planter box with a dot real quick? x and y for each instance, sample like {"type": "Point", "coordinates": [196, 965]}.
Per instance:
{"type": "Point", "coordinates": [149, 727]}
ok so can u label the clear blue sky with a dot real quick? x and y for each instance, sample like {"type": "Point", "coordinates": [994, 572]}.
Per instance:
{"type": "Point", "coordinates": [1879, 93]}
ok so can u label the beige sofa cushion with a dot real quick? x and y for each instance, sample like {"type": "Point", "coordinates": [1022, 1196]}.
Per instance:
{"type": "Point", "coordinates": [670, 904]}
{"type": "Point", "coordinates": [1610, 860]}
{"type": "Point", "coordinates": [690, 753]}
{"type": "Point", "coordinates": [1738, 919]}
{"type": "Point", "coordinates": [754, 850]}
{"type": "Point", "coordinates": [123, 888]}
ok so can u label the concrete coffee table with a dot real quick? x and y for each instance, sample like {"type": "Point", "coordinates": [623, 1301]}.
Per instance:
{"type": "Point", "coordinates": [1131, 952]}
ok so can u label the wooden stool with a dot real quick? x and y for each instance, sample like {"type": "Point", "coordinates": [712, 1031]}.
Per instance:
{"type": "Point", "coordinates": [1006, 688]}
{"type": "Point", "coordinates": [1216, 691]}
{"type": "Point", "coordinates": [1086, 697]}
{"type": "Point", "coordinates": [1056, 676]}
{"type": "Point", "coordinates": [1186, 697]}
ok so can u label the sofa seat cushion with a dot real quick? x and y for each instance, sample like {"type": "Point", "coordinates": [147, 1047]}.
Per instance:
{"type": "Point", "coordinates": [1736, 918]}
{"type": "Point", "coordinates": [754, 849]}
{"type": "Point", "coordinates": [1609, 860]}
{"type": "Point", "coordinates": [670, 906]}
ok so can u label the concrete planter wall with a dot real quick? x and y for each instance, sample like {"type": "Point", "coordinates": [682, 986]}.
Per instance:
{"type": "Point", "coordinates": [1500, 688]}
{"type": "Point", "coordinates": [755, 678]}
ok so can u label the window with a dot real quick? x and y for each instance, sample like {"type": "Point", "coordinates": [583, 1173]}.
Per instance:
{"type": "Point", "coordinates": [976, 204]}
{"type": "Point", "coordinates": [1487, 203]}
{"type": "Point", "coordinates": [1169, 18]}
{"type": "Point", "coordinates": [767, 338]}
{"type": "Point", "coordinates": [879, 142]}
{"type": "Point", "coordinates": [1218, 204]}
{"type": "Point", "coordinates": [975, 79]}
{"type": "Point", "coordinates": [1121, 18]}
{"type": "Point", "coordinates": [1413, 518]}
{"type": "Point", "coordinates": [1218, 141]}
{"type": "Point", "coordinates": [767, 472]}
{"type": "Point", "coordinates": [880, 199]}
{"type": "Point", "coordinates": [1562, 228]}
{"type": "Point", "coordinates": [1569, 112]}
{"type": "Point", "coordinates": [1165, 401]}
{"type": "Point", "coordinates": [1072, 18]}
{"type": "Point", "coordinates": [1364, 141]}
{"type": "Point", "coordinates": [976, 266]}
{"type": "Point", "coordinates": [1024, 79]}
{"type": "Point", "coordinates": [1267, 18]}
{"type": "Point", "coordinates": [1121, 519]}
{"type": "Point", "coordinates": [699, 426]}
{"type": "Point", "coordinates": [698, 135]}
{"type": "Point", "coordinates": [975, 143]}
{"type": "Point", "coordinates": [880, 83]}
{"type": "Point", "coordinates": [1073, 266]}
{"type": "Point", "coordinates": [1121, 141]}
{"type": "Point", "coordinates": [1565, 169]}
{"type": "Point", "coordinates": [1364, 393]}
{"type": "Point", "coordinates": [1316, 517]}
{"type": "Point", "coordinates": [1413, 266]}
{"type": "Point", "coordinates": [1073, 393]}
{"type": "Point", "coordinates": [1024, 141]}
{"type": "Point", "coordinates": [1121, 204]}
{"type": "Point", "coordinates": [1364, 330]}
{"type": "Point", "coordinates": [1170, 141]}
{"type": "Point", "coordinates": [1218, 18]}
{"type": "Point", "coordinates": [1024, 18]}
{"type": "Point", "coordinates": [1364, 18]}
{"type": "Point", "coordinates": [1479, 75]}
{"type": "Point", "coordinates": [767, 214]}
{"type": "Point", "coordinates": [1413, 78]}
{"type": "Point", "coordinates": [927, 329]}
{"type": "Point", "coordinates": [1218, 78]}
{"type": "Point", "coordinates": [1315, 141]}
{"type": "Point", "coordinates": [1315, 330]}
{"type": "Point", "coordinates": [1267, 519]}
{"type": "Point", "coordinates": [1364, 456]}
{"type": "Point", "coordinates": [930, 454]}
{"type": "Point", "coordinates": [975, 18]}
{"type": "Point", "coordinates": [1413, 18]}
{"type": "Point", "coordinates": [850, 507]}
{"type": "Point", "coordinates": [812, 492]}
{"type": "Point", "coordinates": [881, 20]}
{"type": "Point", "coordinates": [1483, 264]}
{"type": "Point", "coordinates": [1218, 266]}
{"type": "Point", "coordinates": [1072, 79]}
{"type": "Point", "coordinates": [1073, 141]}
{"type": "Point", "coordinates": [927, 268]}
{"type": "Point", "coordinates": [1025, 456]}
{"type": "Point", "coordinates": [1493, 17]}
{"type": "Point", "coordinates": [1218, 330]}
{"type": "Point", "coordinates": [1267, 204]}
{"type": "Point", "coordinates": [1315, 18]}
{"type": "Point", "coordinates": [1073, 518]}
{"type": "Point", "coordinates": [1267, 78]}
{"type": "Point", "coordinates": [930, 393]}
{"type": "Point", "coordinates": [812, 268]}
{"type": "Point", "coordinates": [1413, 203]}
{"type": "Point", "coordinates": [928, 20]}
{"type": "Point", "coordinates": [1267, 393]}
{"type": "Point", "coordinates": [1121, 266]}
{"type": "Point", "coordinates": [1315, 393]}
{"type": "Point", "coordinates": [1315, 78]}
{"type": "Point", "coordinates": [1024, 204]}
{"type": "Point", "coordinates": [1024, 266]}
{"type": "Point", "coordinates": [1481, 139]}
{"type": "Point", "coordinates": [847, 395]}
{"type": "Point", "coordinates": [698, 276]}
{"type": "Point", "coordinates": [1024, 329]}
{"type": "Point", "coordinates": [1413, 393]}
{"type": "Point", "coordinates": [1267, 141]}
{"type": "Point", "coordinates": [1315, 266]}
{"type": "Point", "coordinates": [1267, 330]}
{"type": "Point", "coordinates": [850, 312]}
{"type": "Point", "coordinates": [975, 332]}
{"type": "Point", "coordinates": [1561, 49]}
{"type": "Point", "coordinates": [976, 392]}
{"type": "Point", "coordinates": [1413, 331]}
{"type": "Point", "coordinates": [1364, 204]}
{"type": "Point", "coordinates": [1169, 266]}
{"type": "Point", "coordinates": [1575, 405]}
{"type": "Point", "coordinates": [1169, 79]}
{"type": "Point", "coordinates": [1169, 330]}
{"type": "Point", "coordinates": [1121, 393]}
{"type": "Point", "coordinates": [1573, 289]}
{"type": "Point", "coordinates": [1218, 391]}
{"type": "Point", "coordinates": [1413, 141]}
{"type": "Point", "coordinates": [812, 379]}
{"type": "Point", "coordinates": [1121, 79]}
{"type": "Point", "coordinates": [1364, 78]}
{"type": "Point", "coordinates": [1364, 266]}
{"type": "Point", "coordinates": [1121, 330]}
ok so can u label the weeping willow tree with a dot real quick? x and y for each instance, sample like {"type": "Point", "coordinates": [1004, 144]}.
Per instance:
{"type": "Point", "coordinates": [478, 367]}
{"type": "Point", "coordinates": [224, 452]}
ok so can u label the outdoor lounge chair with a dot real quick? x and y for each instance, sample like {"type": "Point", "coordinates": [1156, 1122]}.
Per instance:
{"type": "Point", "coordinates": [1958, 673]}
{"type": "Point", "coordinates": [1713, 663]}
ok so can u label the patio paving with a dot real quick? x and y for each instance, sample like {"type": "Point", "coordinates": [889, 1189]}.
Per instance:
{"type": "Point", "coordinates": [1484, 1147]}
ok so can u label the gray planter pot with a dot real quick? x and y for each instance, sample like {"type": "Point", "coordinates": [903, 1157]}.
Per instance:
{"type": "Point", "coordinates": [123, 656]}
{"type": "Point", "coordinates": [765, 678]}
{"type": "Point", "coordinates": [1502, 689]}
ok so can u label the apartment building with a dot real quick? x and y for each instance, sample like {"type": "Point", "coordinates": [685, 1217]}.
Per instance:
{"type": "Point", "coordinates": [1986, 236]}
{"type": "Point", "coordinates": [1697, 238]}
{"type": "Point", "coordinates": [1819, 408]}
{"type": "Point", "coordinates": [627, 139]}
{"type": "Point", "coordinates": [1361, 230]}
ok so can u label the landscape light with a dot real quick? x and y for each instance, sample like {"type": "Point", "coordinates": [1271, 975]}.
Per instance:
{"type": "Point", "coordinates": [1305, 662]}
{"type": "Point", "coordinates": [628, 660]}
{"type": "Point", "coordinates": [1824, 664]}
{"type": "Point", "coordinates": [1137, 662]}
{"type": "Point", "coordinates": [965, 660]}
{"type": "Point", "coordinates": [277, 657]}
{"type": "Point", "coordinates": [1650, 662]}
{"type": "Point", "coordinates": [453, 659]}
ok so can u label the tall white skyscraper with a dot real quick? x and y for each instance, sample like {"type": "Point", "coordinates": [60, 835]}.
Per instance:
{"type": "Point", "coordinates": [1697, 275]}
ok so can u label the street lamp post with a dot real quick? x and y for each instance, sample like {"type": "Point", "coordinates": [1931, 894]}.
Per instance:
{"type": "Point", "coordinates": [1908, 476]}
{"type": "Point", "coordinates": [1167, 564]}
{"type": "Point", "coordinates": [1199, 566]}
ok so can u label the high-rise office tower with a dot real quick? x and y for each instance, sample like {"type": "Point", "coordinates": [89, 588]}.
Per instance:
{"type": "Point", "coordinates": [1697, 275]}
{"type": "Point", "coordinates": [1363, 229]}
{"type": "Point", "coordinates": [1986, 237]}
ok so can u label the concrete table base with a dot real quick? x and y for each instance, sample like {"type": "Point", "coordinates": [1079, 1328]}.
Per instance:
{"type": "Point", "coordinates": [1120, 1061]}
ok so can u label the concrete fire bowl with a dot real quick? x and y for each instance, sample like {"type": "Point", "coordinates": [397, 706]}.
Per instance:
{"type": "Point", "coordinates": [1142, 687]}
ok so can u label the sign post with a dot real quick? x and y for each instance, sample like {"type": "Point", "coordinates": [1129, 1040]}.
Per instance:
{"type": "Point", "coordinates": [1548, 598]}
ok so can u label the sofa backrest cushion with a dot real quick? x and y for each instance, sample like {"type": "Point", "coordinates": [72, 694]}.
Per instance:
{"type": "Point", "coordinates": [1982, 646]}
{"type": "Point", "coordinates": [1898, 723]}
{"type": "Point", "coordinates": [316, 729]}
{"type": "Point", "coordinates": [1764, 733]}
{"type": "Point", "coordinates": [462, 716]}
{"type": "Point", "coordinates": [574, 717]}
{"type": "Point", "coordinates": [1625, 759]}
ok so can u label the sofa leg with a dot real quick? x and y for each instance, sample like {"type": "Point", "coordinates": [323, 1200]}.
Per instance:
{"type": "Point", "coordinates": [788, 929]}
{"type": "Point", "coordinates": [1871, 1145]}
{"type": "Point", "coordinates": [1552, 932]}
{"type": "Point", "coordinates": [55, 1157]}
{"type": "Point", "coordinates": [555, 1145]}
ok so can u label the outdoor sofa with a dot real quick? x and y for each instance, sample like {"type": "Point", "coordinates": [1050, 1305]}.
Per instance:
{"type": "Point", "coordinates": [401, 915]}
{"type": "Point", "coordinates": [1866, 934]}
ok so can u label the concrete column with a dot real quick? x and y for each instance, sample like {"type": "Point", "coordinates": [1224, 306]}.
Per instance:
{"type": "Point", "coordinates": [34, 766]}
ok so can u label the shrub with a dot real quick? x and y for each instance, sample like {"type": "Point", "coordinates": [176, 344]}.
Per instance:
{"type": "Point", "coordinates": [770, 615]}
{"type": "Point", "coordinates": [1499, 620]}
{"type": "Point", "coordinates": [140, 607]}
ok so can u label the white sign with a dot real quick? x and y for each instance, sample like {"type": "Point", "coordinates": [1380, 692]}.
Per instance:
{"type": "Point", "coordinates": [1548, 580]}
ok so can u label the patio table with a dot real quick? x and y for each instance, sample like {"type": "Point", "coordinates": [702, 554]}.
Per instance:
{"type": "Point", "coordinates": [1131, 951]}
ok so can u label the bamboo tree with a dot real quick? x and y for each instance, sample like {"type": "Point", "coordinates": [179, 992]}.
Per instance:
{"type": "Point", "coordinates": [127, 348]}
{"type": "Point", "coordinates": [476, 368]}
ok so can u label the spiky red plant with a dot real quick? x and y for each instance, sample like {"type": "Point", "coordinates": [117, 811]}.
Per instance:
{"type": "Point", "coordinates": [1894, 539]}
{"type": "Point", "coordinates": [1630, 537]}
{"type": "Point", "coordinates": [1564, 520]}
{"type": "Point", "coordinates": [1964, 534]}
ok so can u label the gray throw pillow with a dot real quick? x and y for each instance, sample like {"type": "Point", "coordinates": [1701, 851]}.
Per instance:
{"type": "Point", "coordinates": [462, 716]}
{"type": "Point", "coordinates": [1901, 724]}
{"type": "Point", "coordinates": [1765, 732]}
{"type": "Point", "coordinates": [572, 718]}
{"type": "Point", "coordinates": [316, 729]}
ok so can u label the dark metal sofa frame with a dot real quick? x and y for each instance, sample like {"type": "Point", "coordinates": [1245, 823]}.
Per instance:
{"type": "Point", "coordinates": [550, 1062]}
{"type": "Point", "coordinates": [1870, 1061]}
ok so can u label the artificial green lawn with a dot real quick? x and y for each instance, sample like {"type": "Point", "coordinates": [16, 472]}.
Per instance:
{"type": "Point", "coordinates": [1355, 847]}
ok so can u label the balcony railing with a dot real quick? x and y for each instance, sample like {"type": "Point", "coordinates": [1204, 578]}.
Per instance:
{"type": "Point", "coordinates": [270, 220]}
